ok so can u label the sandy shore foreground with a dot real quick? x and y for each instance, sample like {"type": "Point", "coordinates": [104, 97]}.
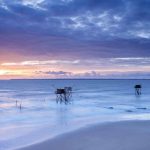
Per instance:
{"type": "Point", "coordinates": [126, 135]}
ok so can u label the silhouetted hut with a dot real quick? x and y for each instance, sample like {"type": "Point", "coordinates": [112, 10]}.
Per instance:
{"type": "Point", "coordinates": [138, 89]}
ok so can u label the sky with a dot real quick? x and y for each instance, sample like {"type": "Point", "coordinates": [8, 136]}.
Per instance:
{"type": "Point", "coordinates": [74, 39]}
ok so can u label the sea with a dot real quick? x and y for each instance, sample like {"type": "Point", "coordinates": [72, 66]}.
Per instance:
{"type": "Point", "coordinates": [31, 112]}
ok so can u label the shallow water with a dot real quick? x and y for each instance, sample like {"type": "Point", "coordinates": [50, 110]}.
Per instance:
{"type": "Point", "coordinates": [41, 117]}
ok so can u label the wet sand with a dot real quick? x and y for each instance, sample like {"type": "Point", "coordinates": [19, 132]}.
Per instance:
{"type": "Point", "coordinates": [123, 135]}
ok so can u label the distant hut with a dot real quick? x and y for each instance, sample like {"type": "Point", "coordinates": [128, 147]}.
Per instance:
{"type": "Point", "coordinates": [138, 88]}
{"type": "Point", "coordinates": [63, 94]}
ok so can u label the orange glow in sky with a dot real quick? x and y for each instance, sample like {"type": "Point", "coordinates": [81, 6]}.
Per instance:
{"type": "Point", "coordinates": [102, 68]}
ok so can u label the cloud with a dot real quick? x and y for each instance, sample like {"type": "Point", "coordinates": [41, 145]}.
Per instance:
{"type": "Point", "coordinates": [35, 63]}
{"type": "Point", "coordinates": [120, 67]}
{"type": "Point", "coordinates": [131, 61]}
{"type": "Point", "coordinates": [96, 75]}
{"type": "Point", "coordinates": [56, 73]}
{"type": "Point", "coordinates": [82, 34]}
{"type": "Point", "coordinates": [102, 64]}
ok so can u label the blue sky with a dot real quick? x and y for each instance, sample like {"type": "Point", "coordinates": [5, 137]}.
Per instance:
{"type": "Point", "coordinates": [75, 38]}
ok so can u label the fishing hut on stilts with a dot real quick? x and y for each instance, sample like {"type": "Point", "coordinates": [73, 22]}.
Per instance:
{"type": "Point", "coordinates": [63, 94]}
{"type": "Point", "coordinates": [138, 88]}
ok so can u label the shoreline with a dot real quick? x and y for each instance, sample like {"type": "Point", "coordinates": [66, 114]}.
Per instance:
{"type": "Point", "coordinates": [120, 135]}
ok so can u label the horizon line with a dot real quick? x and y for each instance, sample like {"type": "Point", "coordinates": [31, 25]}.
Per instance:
{"type": "Point", "coordinates": [81, 79]}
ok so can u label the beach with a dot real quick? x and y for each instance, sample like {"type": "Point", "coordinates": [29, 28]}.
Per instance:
{"type": "Point", "coordinates": [74, 74]}
{"type": "Point", "coordinates": [86, 117]}
{"type": "Point", "coordinates": [123, 135]}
